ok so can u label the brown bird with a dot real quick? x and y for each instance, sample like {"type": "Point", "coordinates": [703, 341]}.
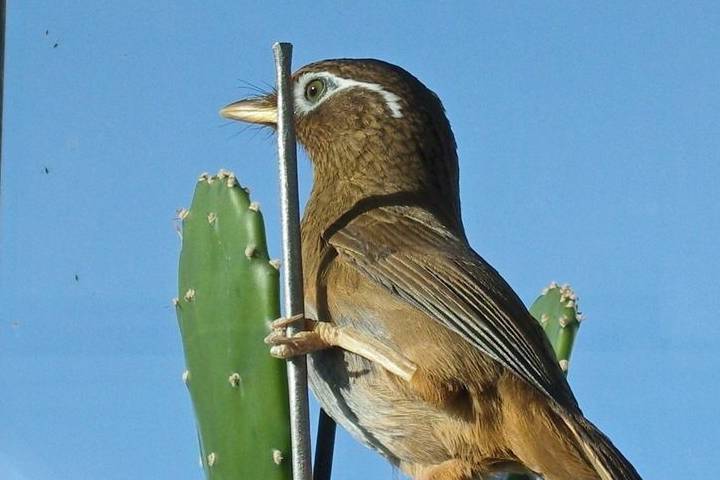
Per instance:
{"type": "Point", "coordinates": [417, 346]}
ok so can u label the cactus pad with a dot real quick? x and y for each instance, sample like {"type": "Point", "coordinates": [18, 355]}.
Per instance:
{"type": "Point", "coordinates": [557, 311]}
{"type": "Point", "coordinates": [228, 292]}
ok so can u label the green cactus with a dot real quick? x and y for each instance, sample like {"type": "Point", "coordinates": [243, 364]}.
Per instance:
{"type": "Point", "coordinates": [228, 292]}
{"type": "Point", "coordinates": [557, 311]}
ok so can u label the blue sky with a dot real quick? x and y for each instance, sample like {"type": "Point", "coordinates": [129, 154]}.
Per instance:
{"type": "Point", "coordinates": [589, 144]}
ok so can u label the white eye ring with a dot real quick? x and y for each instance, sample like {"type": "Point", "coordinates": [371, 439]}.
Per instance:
{"type": "Point", "coordinates": [334, 84]}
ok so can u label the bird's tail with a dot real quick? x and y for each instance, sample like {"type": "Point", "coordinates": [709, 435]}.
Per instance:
{"type": "Point", "coordinates": [607, 460]}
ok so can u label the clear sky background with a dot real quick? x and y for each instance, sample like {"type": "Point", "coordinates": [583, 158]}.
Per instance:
{"type": "Point", "coordinates": [589, 144]}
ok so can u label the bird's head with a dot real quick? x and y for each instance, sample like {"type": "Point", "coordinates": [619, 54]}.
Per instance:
{"type": "Point", "coordinates": [367, 126]}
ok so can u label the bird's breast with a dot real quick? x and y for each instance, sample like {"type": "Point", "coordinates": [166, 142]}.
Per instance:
{"type": "Point", "coordinates": [376, 407]}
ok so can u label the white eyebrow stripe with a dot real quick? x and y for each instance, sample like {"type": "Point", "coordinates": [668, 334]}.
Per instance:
{"type": "Point", "coordinates": [392, 101]}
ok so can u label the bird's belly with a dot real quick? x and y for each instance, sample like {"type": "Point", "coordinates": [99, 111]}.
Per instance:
{"type": "Point", "coordinates": [357, 395]}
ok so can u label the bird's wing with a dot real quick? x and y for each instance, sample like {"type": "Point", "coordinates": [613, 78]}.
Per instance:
{"type": "Point", "coordinates": [408, 252]}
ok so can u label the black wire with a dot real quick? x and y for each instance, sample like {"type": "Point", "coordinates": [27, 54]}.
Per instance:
{"type": "Point", "coordinates": [325, 447]}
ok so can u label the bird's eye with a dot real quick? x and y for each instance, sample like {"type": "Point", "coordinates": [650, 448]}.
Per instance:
{"type": "Point", "coordinates": [314, 90]}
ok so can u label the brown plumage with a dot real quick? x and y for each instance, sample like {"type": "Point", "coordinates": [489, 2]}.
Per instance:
{"type": "Point", "coordinates": [419, 348]}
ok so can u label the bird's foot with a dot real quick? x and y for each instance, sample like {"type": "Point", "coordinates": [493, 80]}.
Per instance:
{"type": "Point", "coordinates": [285, 346]}
{"type": "Point", "coordinates": [321, 335]}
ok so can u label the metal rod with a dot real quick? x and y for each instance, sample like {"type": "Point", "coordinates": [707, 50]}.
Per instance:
{"type": "Point", "coordinates": [292, 280]}
{"type": "Point", "coordinates": [325, 447]}
{"type": "Point", "coordinates": [2, 80]}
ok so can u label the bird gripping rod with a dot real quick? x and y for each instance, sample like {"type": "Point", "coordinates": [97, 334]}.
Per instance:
{"type": "Point", "coordinates": [292, 259]}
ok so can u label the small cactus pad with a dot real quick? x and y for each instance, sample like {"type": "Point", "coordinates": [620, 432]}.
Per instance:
{"type": "Point", "coordinates": [228, 292]}
{"type": "Point", "coordinates": [557, 311]}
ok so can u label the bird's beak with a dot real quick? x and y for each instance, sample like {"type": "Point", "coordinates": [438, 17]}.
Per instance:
{"type": "Point", "coordinates": [261, 110]}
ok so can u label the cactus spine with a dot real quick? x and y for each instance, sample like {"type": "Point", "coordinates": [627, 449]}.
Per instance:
{"type": "Point", "coordinates": [228, 292]}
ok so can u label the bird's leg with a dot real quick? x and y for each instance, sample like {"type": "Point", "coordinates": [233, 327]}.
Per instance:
{"type": "Point", "coordinates": [321, 335]}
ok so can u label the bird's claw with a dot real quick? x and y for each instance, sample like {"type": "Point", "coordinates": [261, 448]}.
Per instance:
{"type": "Point", "coordinates": [303, 342]}
{"type": "Point", "coordinates": [285, 322]}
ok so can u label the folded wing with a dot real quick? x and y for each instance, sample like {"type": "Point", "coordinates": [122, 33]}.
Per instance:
{"type": "Point", "coordinates": [410, 253]}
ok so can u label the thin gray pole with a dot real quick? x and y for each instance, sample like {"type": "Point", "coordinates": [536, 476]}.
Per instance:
{"type": "Point", "coordinates": [292, 280]}
{"type": "Point", "coordinates": [2, 81]}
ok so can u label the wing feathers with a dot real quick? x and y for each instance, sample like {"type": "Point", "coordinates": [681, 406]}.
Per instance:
{"type": "Point", "coordinates": [417, 259]}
